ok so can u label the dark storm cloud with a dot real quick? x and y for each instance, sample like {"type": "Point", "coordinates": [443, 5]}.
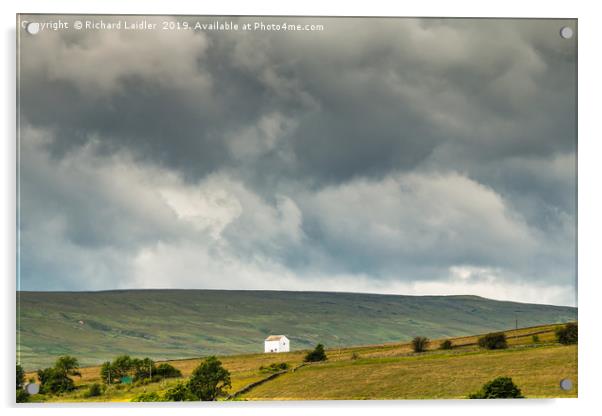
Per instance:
{"type": "Point", "coordinates": [257, 144]}
{"type": "Point", "coordinates": [367, 98]}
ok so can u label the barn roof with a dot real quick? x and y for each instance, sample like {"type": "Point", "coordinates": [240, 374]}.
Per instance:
{"type": "Point", "coordinates": [275, 337]}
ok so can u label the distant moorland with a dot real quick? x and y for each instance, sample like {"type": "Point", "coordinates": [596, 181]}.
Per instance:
{"type": "Point", "coordinates": [170, 324]}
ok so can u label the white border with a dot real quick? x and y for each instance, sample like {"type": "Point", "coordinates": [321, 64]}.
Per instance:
{"type": "Point", "coordinates": [590, 204]}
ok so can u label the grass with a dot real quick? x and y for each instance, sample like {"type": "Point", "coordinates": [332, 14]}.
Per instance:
{"type": "Point", "coordinates": [383, 371]}
{"type": "Point", "coordinates": [433, 376]}
{"type": "Point", "coordinates": [172, 324]}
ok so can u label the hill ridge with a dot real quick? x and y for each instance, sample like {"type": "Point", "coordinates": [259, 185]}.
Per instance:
{"type": "Point", "coordinates": [168, 323]}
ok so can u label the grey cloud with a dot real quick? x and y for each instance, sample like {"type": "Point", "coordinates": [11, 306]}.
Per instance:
{"type": "Point", "coordinates": [363, 104]}
{"type": "Point", "coordinates": [295, 127]}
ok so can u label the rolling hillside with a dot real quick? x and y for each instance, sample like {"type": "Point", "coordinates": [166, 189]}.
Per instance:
{"type": "Point", "coordinates": [386, 371]}
{"type": "Point", "coordinates": [169, 324]}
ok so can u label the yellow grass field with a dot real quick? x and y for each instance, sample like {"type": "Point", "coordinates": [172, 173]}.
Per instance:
{"type": "Point", "coordinates": [388, 371]}
{"type": "Point", "coordinates": [537, 371]}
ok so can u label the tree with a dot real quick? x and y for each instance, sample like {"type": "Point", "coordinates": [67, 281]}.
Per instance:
{"type": "Point", "coordinates": [144, 368]}
{"type": "Point", "coordinates": [22, 395]}
{"type": "Point", "coordinates": [446, 345]}
{"type": "Point", "coordinates": [141, 369]}
{"type": "Point", "coordinates": [499, 388]}
{"type": "Point", "coordinates": [68, 365]}
{"type": "Point", "coordinates": [56, 379]}
{"type": "Point", "coordinates": [419, 344]}
{"type": "Point", "coordinates": [122, 365]}
{"type": "Point", "coordinates": [112, 372]}
{"type": "Point", "coordinates": [106, 373]}
{"type": "Point", "coordinates": [20, 377]}
{"type": "Point", "coordinates": [318, 354]}
{"type": "Point", "coordinates": [209, 380]}
{"type": "Point", "coordinates": [568, 334]}
{"type": "Point", "coordinates": [494, 341]}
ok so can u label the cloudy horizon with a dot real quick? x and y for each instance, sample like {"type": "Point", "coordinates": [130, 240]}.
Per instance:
{"type": "Point", "coordinates": [395, 156]}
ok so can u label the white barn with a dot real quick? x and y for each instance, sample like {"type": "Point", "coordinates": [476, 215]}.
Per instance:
{"type": "Point", "coordinates": [277, 343]}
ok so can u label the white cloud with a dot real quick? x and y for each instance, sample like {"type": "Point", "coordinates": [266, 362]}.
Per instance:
{"type": "Point", "coordinates": [261, 137]}
{"type": "Point", "coordinates": [88, 207]}
{"type": "Point", "coordinates": [209, 207]}
{"type": "Point", "coordinates": [104, 222]}
{"type": "Point", "coordinates": [412, 218]}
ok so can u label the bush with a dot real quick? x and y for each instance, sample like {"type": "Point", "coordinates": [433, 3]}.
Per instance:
{"type": "Point", "coordinates": [535, 339]}
{"type": "Point", "coordinates": [446, 345]}
{"type": "Point", "coordinates": [318, 354]}
{"type": "Point", "coordinates": [419, 344]}
{"type": "Point", "coordinates": [499, 388]}
{"type": "Point", "coordinates": [179, 393]}
{"type": "Point", "coordinates": [274, 368]}
{"type": "Point", "coordinates": [22, 396]}
{"type": "Point", "coordinates": [494, 341]}
{"type": "Point", "coordinates": [568, 334]}
{"type": "Point", "coordinates": [148, 397]}
{"type": "Point", "coordinates": [355, 356]}
{"type": "Point", "coordinates": [143, 381]}
{"type": "Point", "coordinates": [165, 370]}
{"type": "Point", "coordinates": [94, 390]}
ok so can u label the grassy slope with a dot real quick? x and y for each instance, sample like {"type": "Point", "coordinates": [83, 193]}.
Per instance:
{"type": "Point", "coordinates": [444, 375]}
{"type": "Point", "coordinates": [389, 371]}
{"type": "Point", "coordinates": [169, 324]}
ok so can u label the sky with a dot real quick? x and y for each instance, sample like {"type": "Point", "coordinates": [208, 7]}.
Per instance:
{"type": "Point", "coordinates": [402, 156]}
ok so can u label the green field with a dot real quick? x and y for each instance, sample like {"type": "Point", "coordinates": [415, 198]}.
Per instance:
{"type": "Point", "coordinates": [171, 324]}
{"type": "Point", "coordinates": [387, 371]}
{"type": "Point", "coordinates": [436, 376]}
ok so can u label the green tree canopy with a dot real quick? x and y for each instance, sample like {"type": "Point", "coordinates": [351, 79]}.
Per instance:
{"type": "Point", "coordinates": [57, 379]}
{"type": "Point", "coordinates": [144, 368]}
{"type": "Point", "coordinates": [209, 380]}
{"type": "Point", "coordinates": [568, 334]}
{"type": "Point", "coordinates": [69, 365]}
